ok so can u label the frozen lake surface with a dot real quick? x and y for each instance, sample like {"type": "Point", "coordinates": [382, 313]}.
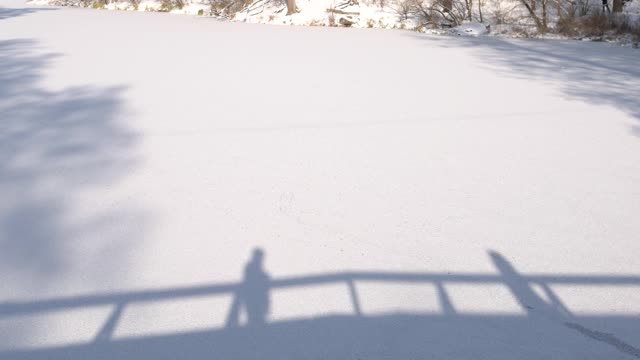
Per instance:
{"type": "Point", "coordinates": [411, 196]}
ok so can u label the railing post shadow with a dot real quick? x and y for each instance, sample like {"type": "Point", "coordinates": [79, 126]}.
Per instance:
{"type": "Point", "coordinates": [106, 332]}
{"type": "Point", "coordinates": [233, 318]}
{"type": "Point", "coordinates": [355, 301]}
{"type": "Point", "coordinates": [445, 301]}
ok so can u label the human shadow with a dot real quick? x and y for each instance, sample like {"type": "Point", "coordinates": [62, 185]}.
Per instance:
{"type": "Point", "coordinates": [253, 293]}
{"type": "Point", "coordinates": [379, 335]}
{"type": "Point", "coordinates": [54, 146]}
{"type": "Point", "coordinates": [519, 287]}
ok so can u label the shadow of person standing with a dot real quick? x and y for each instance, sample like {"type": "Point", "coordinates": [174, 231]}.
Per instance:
{"type": "Point", "coordinates": [554, 309]}
{"type": "Point", "coordinates": [252, 294]}
{"type": "Point", "coordinates": [256, 289]}
{"type": "Point", "coordinates": [520, 288]}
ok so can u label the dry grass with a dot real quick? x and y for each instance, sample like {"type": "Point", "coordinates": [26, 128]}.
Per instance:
{"type": "Point", "coordinates": [598, 24]}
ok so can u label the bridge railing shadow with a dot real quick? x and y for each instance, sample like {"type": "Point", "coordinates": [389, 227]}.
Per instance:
{"type": "Point", "coordinates": [252, 294]}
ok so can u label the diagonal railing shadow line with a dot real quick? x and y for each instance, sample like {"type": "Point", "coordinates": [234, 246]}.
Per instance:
{"type": "Point", "coordinates": [14, 308]}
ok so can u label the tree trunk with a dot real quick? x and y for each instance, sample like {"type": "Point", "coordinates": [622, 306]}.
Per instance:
{"type": "Point", "coordinates": [480, 10]}
{"type": "Point", "coordinates": [533, 15]}
{"type": "Point", "coordinates": [617, 6]}
{"type": "Point", "coordinates": [447, 5]}
{"type": "Point", "coordinates": [544, 15]}
{"type": "Point", "coordinates": [291, 7]}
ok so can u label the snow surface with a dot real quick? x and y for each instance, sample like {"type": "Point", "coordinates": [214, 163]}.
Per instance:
{"type": "Point", "coordinates": [472, 29]}
{"type": "Point", "coordinates": [415, 196]}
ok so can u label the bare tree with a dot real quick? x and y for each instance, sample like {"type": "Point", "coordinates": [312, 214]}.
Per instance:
{"type": "Point", "coordinates": [541, 22]}
{"type": "Point", "coordinates": [437, 11]}
{"type": "Point", "coordinates": [404, 8]}
{"type": "Point", "coordinates": [544, 4]}
{"type": "Point", "coordinates": [469, 6]}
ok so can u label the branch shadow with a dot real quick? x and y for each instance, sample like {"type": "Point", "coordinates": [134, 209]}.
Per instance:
{"type": "Point", "coordinates": [6, 13]}
{"type": "Point", "coordinates": [596, 73]}
{"type": "Point", "coordinates": [53, 146]}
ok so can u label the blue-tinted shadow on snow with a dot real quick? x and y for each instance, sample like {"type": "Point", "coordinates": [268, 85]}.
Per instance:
{"type": "Point", "coordinates": [546, 324]}
{"type": "Point", "coordinates": [595, 73]}
{"type": "Point", "coordinates": [54, 145]}
{"type": "Point", "coordinates": [6, 13]}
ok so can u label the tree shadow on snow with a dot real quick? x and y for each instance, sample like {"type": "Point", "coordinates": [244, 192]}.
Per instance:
{"type": "Point", "coordinates": [56, 144]}
{"type": "Point", "coordinates": [53, 146]}
{"type": "Point", "coordinates": [15, 12]}
{"type": "Point", "coordinates": [596, 73]}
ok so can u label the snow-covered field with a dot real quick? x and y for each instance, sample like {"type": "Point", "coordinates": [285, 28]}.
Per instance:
{"type": "Point", "coordinates": [414, 197]}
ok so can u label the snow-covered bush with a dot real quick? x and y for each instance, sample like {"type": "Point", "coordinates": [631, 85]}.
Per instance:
{"type": "Point", "coordinates": [632, 7]}
{"type": "Point", "coordinates": [441, 12]}
{"type": "Point", "coordinates": [598, 24]}
{"type": "Point", "coordinates": [404, 8]}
